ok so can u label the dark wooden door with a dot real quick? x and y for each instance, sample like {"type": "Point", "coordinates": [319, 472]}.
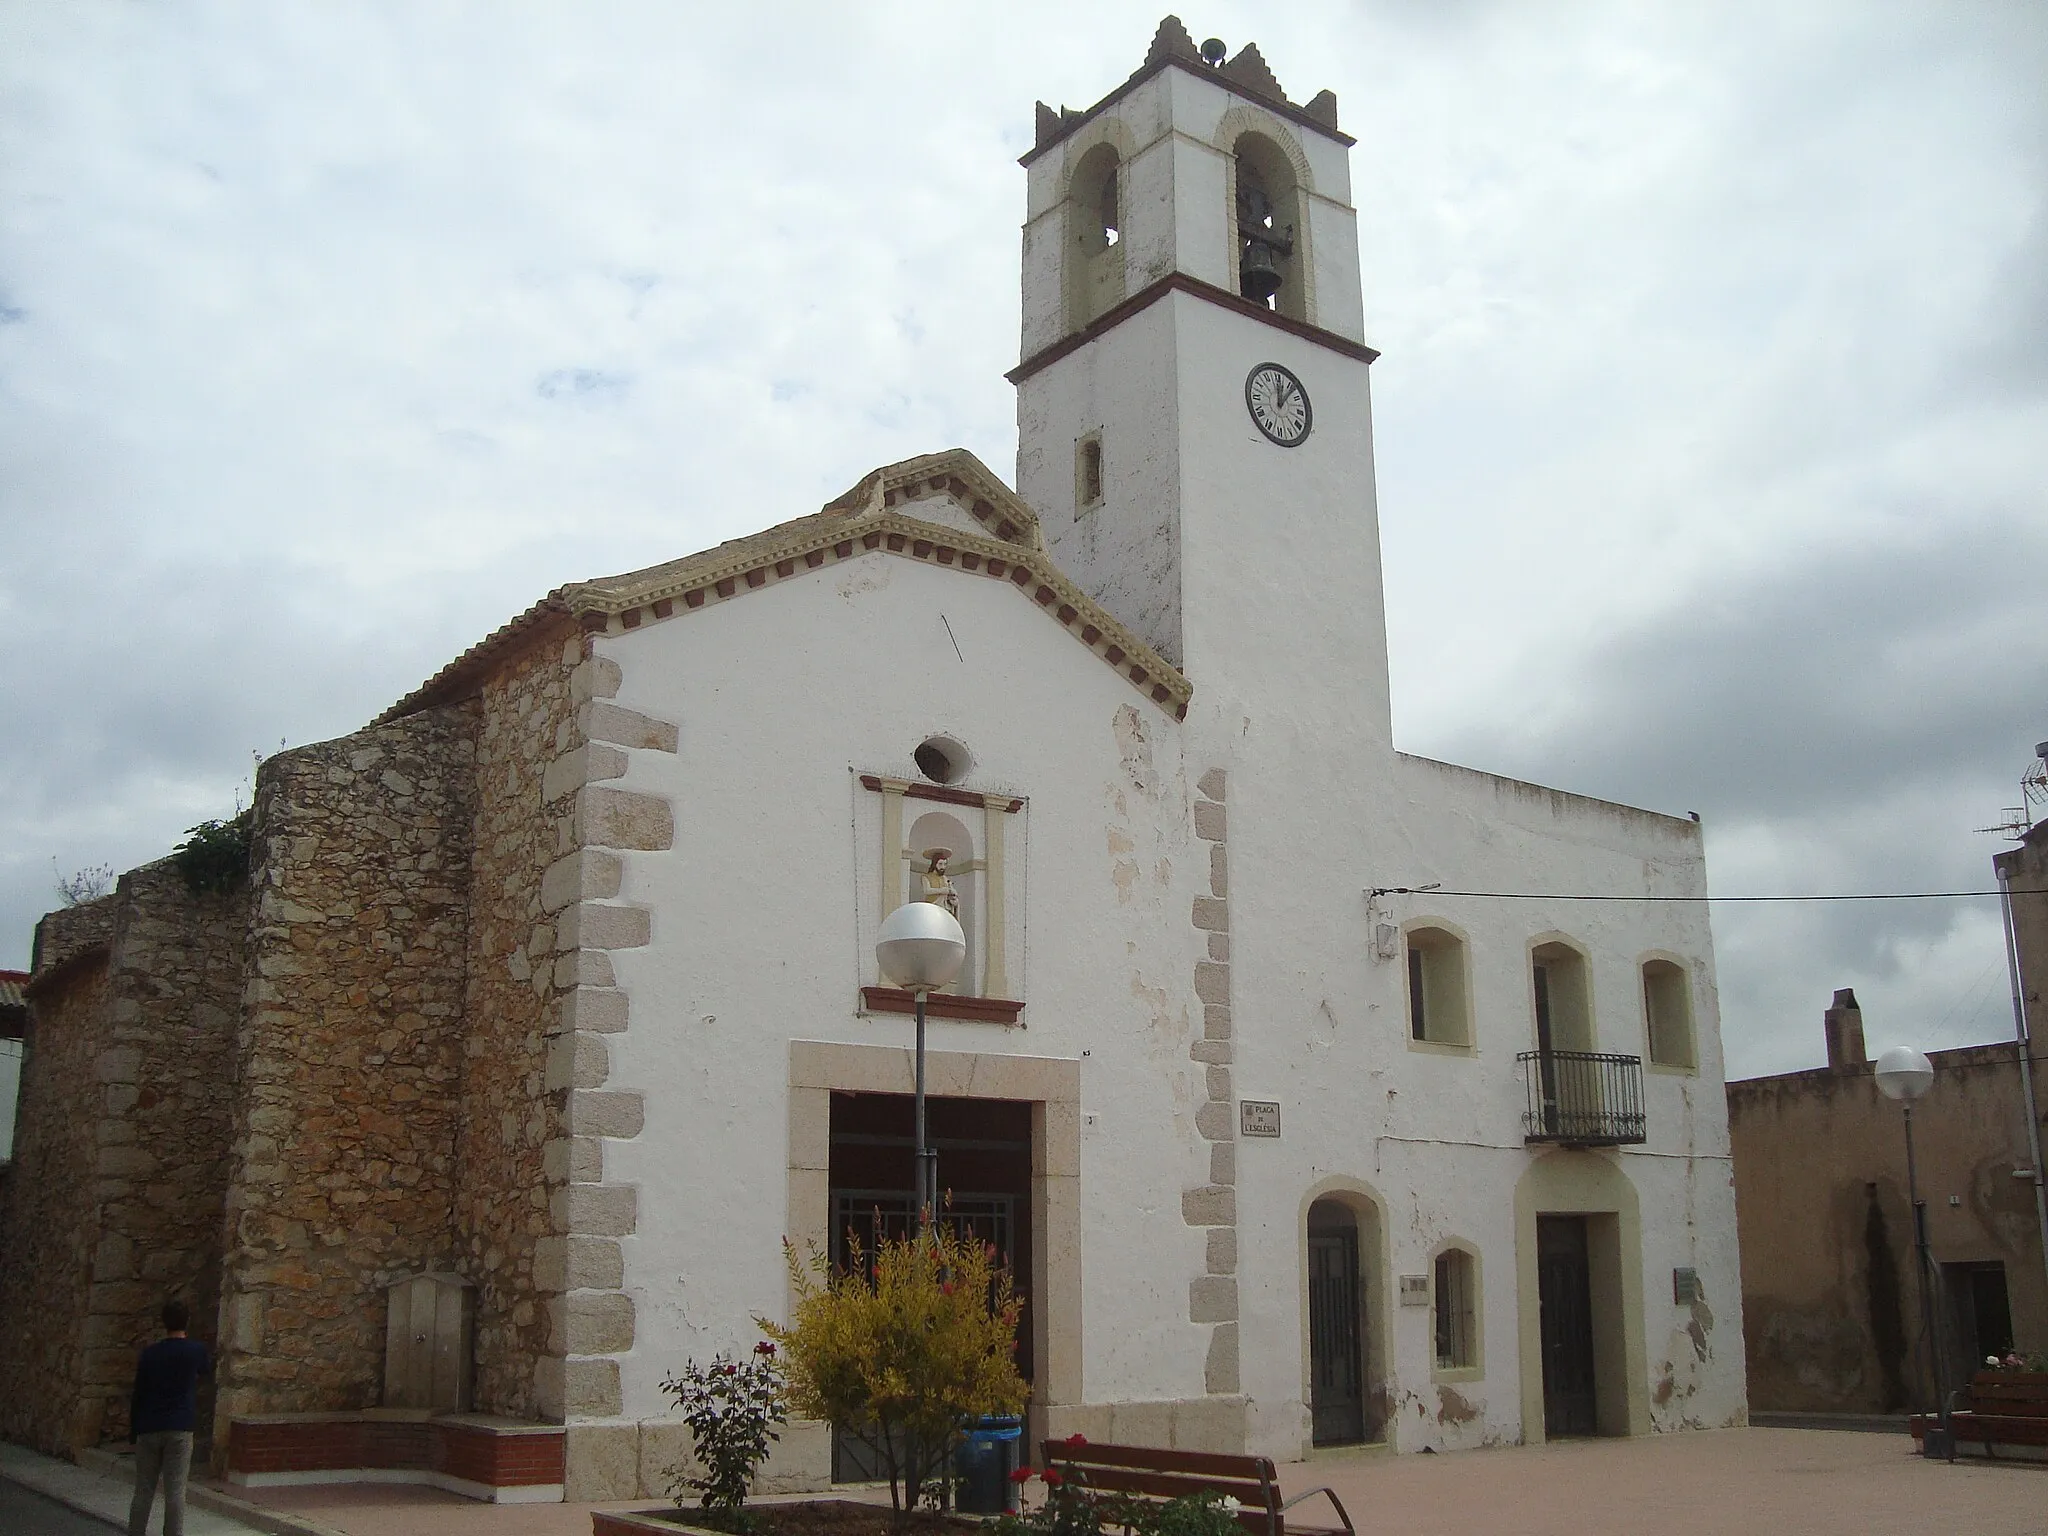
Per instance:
{"type": "Point", "coordinates": [1336, 1371]}
{"type": "Point", "coordinates": [1564, 1292]}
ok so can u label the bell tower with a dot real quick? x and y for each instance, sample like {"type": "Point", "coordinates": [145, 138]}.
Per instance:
{"type": "Point", "coordinates": [1194, 420]}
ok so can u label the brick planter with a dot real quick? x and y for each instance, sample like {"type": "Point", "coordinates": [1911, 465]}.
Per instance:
{"type": "Point", "coordinates": [501, 1461]}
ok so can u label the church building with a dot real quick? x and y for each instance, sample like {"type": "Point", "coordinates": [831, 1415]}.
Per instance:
{"type": "Point", "coordinates": [550, 1007]}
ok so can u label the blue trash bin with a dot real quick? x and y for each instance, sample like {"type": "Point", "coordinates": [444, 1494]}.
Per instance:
{"type": "Point", "coordinates": [983, 1464]}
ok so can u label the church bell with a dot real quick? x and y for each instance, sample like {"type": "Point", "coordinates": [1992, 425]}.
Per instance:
{"type": "Point", "coordinates": [1258, 274]}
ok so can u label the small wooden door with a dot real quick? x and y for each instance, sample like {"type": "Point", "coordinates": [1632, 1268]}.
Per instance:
{"type": "Point", "coordinates": [1564, 1292]}
{"type": "Point", "coordinates": [1336, 1371]}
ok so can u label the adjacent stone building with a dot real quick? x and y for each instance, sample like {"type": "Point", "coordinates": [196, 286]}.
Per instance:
{"type": "Point", "coordinates": [1830, 1288]}
{"type": "Point", "coordinates": [550, 1007]}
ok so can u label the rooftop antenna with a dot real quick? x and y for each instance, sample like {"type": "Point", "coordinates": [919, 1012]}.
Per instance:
{"type": "Point", "coordinates": [1214, 53]}
{"type": "Point", "coordinates": [2033, 792]}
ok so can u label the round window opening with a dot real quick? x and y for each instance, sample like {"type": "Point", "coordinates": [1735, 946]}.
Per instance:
{"type": "Point", "coordinates": [942, 760]}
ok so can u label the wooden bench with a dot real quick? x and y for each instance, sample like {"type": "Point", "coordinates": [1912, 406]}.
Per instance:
{"type": "Point", "coordinates": [1144, 1472]}
{"type": "Point", "coordinates": [2006, 1408]}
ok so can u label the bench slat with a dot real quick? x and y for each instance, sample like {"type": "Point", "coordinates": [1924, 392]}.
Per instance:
{"type": "Point", "coordinates": [1166, 1485]}
{"type": "Point", "coordinates": [1155, 1459]}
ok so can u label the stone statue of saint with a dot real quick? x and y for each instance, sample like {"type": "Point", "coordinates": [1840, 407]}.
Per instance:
{"type": "Point", "coordinates": [934, 883]}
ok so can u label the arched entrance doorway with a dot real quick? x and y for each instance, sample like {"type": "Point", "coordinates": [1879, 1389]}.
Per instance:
{"type": "Point", "coordinates": [1343, 1247]}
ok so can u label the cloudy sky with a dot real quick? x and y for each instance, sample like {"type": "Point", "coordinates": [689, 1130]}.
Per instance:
{"type": "Point", "coordinates": [1712, 415]}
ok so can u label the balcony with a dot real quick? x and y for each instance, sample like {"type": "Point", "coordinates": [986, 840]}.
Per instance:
{"type": "Point", "coordinates": [1582, 1098]}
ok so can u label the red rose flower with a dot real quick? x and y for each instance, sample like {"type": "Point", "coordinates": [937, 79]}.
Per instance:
{"type": "Point", "coordinates": [764, 1348]}
{"type": "Point", "coordinates": [1053, 1478]}
{"type": "Point", "coordinates": [1076, 1441]}
{"type": "Point", "coordinates": [1022, 1475]}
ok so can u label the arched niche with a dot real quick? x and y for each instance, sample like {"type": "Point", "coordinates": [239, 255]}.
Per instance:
{"type": "Point", "coordinates": [1592, 1188]}
{"type": "Point", "coordinates": [1094, 248]}
{"type": "Point", "coordinates": [942, 829]}
{"type": "Point", "coordinates": [1335, 1210]}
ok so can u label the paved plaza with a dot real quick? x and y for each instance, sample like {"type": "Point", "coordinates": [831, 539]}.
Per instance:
{"type": "Point", "coordinates": [1800, 1481]}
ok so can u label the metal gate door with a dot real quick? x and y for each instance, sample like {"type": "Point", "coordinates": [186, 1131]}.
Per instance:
{"type": "Point", "coordinates": [1565, 1296]}
{"type": "Point", "coordinates": [1336, 1374]}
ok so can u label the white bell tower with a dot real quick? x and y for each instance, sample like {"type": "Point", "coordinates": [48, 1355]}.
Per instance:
{"type": "Point", "coordinates": [1194, 419]}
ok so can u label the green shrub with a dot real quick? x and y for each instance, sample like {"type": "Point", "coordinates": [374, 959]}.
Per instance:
{"type": "Point", "coordinates": [214, 858]}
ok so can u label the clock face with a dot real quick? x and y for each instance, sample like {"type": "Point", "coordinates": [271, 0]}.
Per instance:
{"type": "Point", "coordinates": [1278, 404]}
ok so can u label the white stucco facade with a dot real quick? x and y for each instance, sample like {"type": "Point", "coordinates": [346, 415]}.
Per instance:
{"type": "Point", "coordinates": [1176, 891]}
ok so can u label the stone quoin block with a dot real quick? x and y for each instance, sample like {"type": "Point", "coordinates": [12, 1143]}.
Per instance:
{"type": "Point", "coordinates": [582, 765]}
{"type": "Point", "coordinates": [1217, 1052]}
{"type": "Point", "coordinates": [1219, 948]}
{"type": "Point", "coordinates": [1214, 1122]}
{"type": "Point", "coordinates": [1211, 1299]}
{"type": "Point", "coordinates": [593, 925]}
{"type": "Point", "coordinates": [1211, 1205]}
{"type": "Point", "coordinates": [600, 1461]}
{"type": "Point", "coordinates": [578, 1263]}
{"type": "Point", "coordinates": [592, 1010]}
{"type": "Point", "coordinates": [1219, 871]}
{"type": "Point", "coordinates": [577, 1061]}
{"type": "Point", "coordinates": [606, 1114]}
{"type": "Point", "coordinates": [1222, 1252]}
{"type": "Point", "coordinates": [622, 818]}
{"type": "Point", "coordinates": [585, 968]}
{"type": "Point", "coordinates": [1211, 784]}
{"type": "Point", "coordinates": [597, 1210]}
{"type": "Point", "coordinates": [1219, 1373]}
{"type": "Point", "coordinates": [1216, 1022]}
{"type": "Point", "coordinates": [1219, 1084]}
{"type": "Point", "coordinates": [1212, 914]}
{"type": "Point", "coordinates": [601, 1322]}
{"type": "Point", "coordinates": [1210, 823]}
{"type": "Point", "coordinates": [629, 728]}
{"type": "Point", "coordinates": [587, 875]}
{"type": "Point", "coordinates": [595, 677]}
{"type": "Point", "coordinates": [1212, 982]}
{"type": "Point", "coordinates": [1223, 1163]}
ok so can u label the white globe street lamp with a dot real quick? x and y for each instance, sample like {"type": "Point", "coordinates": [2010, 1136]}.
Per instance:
{"type": "Point", "coordinates": [1904, 1075]}
{"type": "Point", "coordinates": [921, 947]}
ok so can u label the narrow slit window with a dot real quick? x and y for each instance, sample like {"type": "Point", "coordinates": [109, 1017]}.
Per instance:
{"type": "Point", "coordinates": [1088, 473]}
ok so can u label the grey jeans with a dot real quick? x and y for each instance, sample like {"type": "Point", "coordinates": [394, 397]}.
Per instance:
{"type": "Point", "coordinates": [166, 1454]}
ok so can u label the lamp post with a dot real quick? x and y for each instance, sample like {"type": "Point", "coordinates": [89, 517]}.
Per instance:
{"type": "Point", "coordinates": [920, 947]}
{"type": "Point", "coordinates": [1904, 1075]}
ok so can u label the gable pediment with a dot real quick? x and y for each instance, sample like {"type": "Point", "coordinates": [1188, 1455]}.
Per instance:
{"type": "Point", "coordinates": [944, 509]}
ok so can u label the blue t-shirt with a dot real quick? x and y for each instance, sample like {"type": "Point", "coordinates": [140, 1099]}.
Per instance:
{"type": "Point", "coordinates": [166, 1386]}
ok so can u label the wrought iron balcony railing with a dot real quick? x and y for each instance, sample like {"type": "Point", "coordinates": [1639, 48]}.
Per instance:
{"type": "Point", "coordinates": [1582, 1098]}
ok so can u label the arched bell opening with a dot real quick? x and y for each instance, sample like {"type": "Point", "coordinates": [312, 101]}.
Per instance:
{"type": "Point", "coordinates": [1270, 219]}
{"type": "Point", "coordinates": [1095, 246]}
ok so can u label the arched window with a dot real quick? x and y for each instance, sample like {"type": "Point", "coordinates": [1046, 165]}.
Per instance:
{"type": "Point", "coordinates": [1269, 221]}
{"type": "Point", "coordinates": [1454, 1309]}
{"type": "Point", "coordinates": [1437, 1010]}
{"type": "Point", "coordinates": [1667, 1014]}
{"type": "Point", "coordinates": [1095, 251]}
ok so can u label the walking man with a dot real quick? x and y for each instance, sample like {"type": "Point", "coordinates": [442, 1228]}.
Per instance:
{"type": "Point", "coordinates": [161, 1416]}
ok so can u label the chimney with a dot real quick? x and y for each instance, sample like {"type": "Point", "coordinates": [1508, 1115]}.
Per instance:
{"type": "Point", "coordinates": [1844, 1025]}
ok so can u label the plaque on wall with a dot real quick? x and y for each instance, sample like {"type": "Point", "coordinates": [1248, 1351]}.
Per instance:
{"type": "Point", "coordinates": [1259, 1117]}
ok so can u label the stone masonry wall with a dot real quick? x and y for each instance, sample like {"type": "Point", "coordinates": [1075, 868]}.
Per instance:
{"type": "Point", "coordinates": [124, 1148]}
{"type": "Point", "coordinates": [163, 1124]}
{"type": "Point", "coordinates": [47, 1241]}
{"type": "Point", "coordinates": [510, 1116]}
{"type": "Point", "coordinates": [349, 1058]}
